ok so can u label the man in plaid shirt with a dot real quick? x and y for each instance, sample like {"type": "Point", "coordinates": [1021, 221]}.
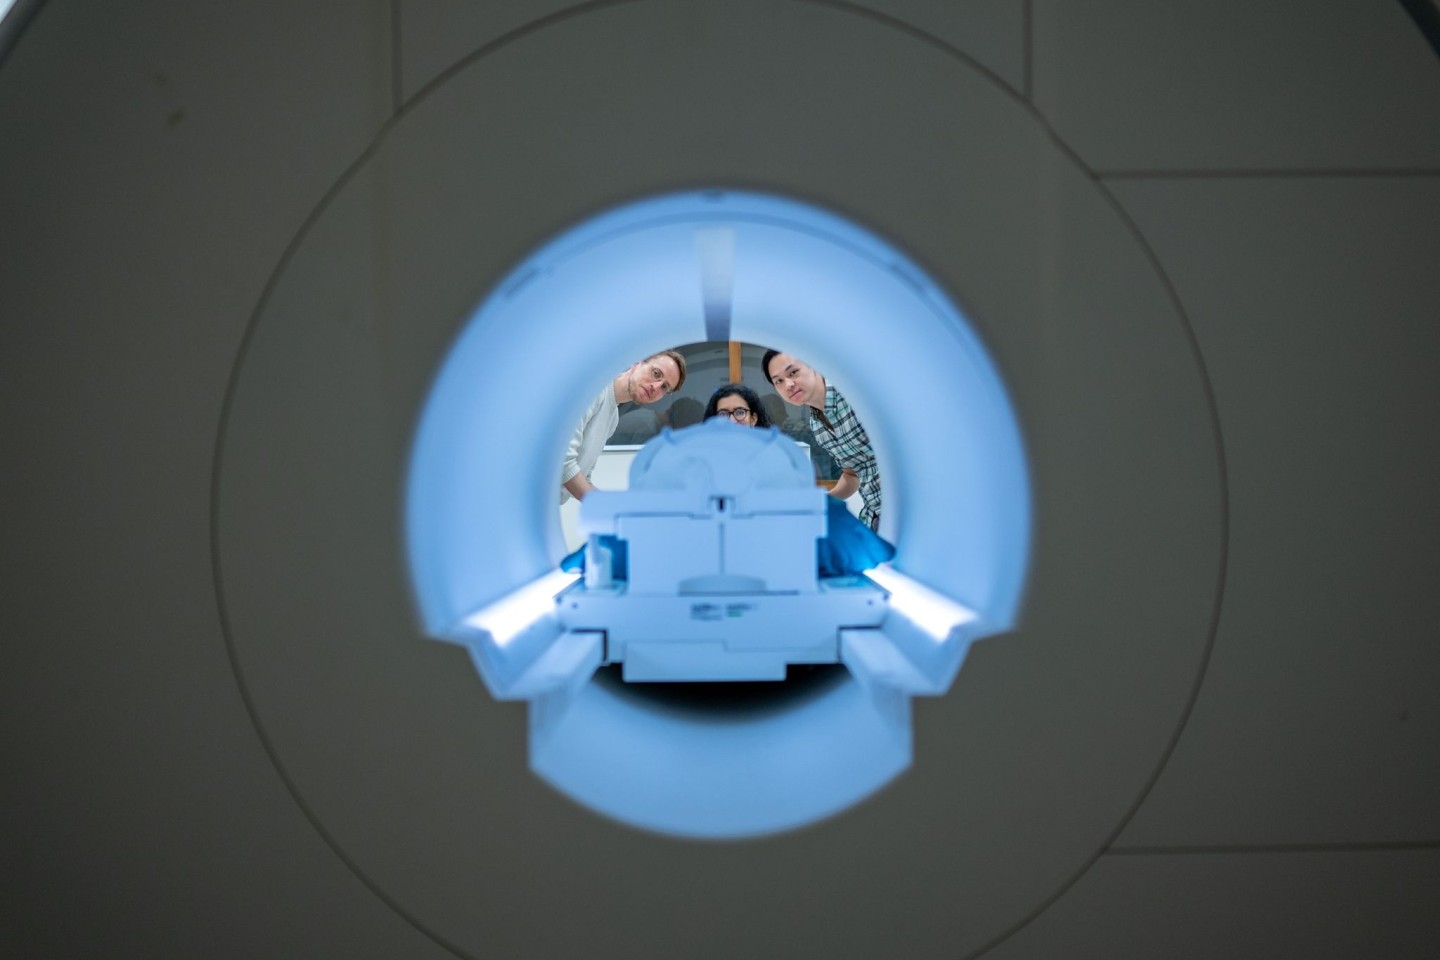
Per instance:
{"type": "Point", "coordinates": [835, 426]}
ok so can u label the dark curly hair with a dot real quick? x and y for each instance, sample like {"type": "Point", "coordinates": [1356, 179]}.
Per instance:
{"type": "Point", "coordinates": [762, 419]}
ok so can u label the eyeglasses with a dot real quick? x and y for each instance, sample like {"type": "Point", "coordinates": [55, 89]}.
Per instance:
{"type": "Point", "coordinates": [738, 414]}
{"type": "Point", "coordinates": [658, 376]}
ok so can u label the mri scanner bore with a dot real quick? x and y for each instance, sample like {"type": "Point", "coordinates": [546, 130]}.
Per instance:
{"type": "Point", "coordinates": [720, 523]}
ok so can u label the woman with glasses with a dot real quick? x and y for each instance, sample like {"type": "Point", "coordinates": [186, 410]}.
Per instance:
{"type": "Point", "coordinates": [850, 546]}
{"type": "Point", "coordinates": [740, 404]}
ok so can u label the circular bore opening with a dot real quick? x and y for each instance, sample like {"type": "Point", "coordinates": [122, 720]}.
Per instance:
{"type": "Point", "coordinates": [716, 265]}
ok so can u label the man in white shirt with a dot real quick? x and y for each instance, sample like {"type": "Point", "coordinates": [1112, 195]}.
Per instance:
{"type": "Point", "coordinates": [644, 382]}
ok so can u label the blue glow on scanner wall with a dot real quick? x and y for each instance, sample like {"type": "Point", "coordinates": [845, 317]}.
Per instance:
{"type": "Point", "coordinates": [482, 518]}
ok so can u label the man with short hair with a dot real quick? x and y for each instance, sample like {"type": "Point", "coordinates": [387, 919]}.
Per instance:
{"type": "Point", "coordinates": [643, 382]}
{"type": "Point", "coordinates": [836, 429]}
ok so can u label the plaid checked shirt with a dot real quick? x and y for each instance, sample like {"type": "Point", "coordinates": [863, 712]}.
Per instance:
{"type": "Point", "coordinates": [838, 430]}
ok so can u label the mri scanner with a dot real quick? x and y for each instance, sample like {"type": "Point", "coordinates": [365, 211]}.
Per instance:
{"type": "Point", "coordinates": [250, 253]}
{"type": "Point", "coordinates": [670, 270]}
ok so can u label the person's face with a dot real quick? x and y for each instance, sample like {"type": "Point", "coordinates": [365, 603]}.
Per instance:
{"type": "Point", "coordinates": [795, 382]}
{"type": "Point", "coordinates": [735, 408]}
{"type": "Point", "coordinates": [653, 378]}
